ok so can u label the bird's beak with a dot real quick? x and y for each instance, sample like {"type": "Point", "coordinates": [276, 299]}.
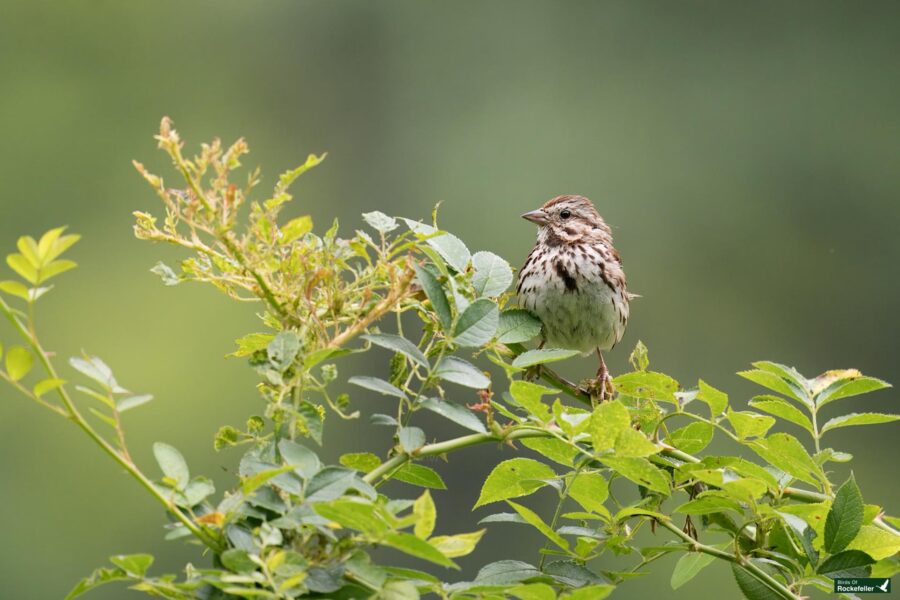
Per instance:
{"type": "Point", "coordinates": [537, 216]}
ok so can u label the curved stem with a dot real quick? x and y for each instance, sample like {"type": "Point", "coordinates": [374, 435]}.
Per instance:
{"type": "Point", "coordinates": [74, 415]}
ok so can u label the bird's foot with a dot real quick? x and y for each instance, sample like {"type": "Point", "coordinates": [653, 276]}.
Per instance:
{"type": "Point", "coordinates": [600, 388]}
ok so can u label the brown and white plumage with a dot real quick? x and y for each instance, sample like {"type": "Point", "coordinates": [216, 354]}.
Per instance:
{"type": "Point", "coordinates": [573, 279]}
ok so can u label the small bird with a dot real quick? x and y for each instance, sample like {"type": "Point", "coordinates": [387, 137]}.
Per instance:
{"type": "Point", "coordinates": [574, 283]}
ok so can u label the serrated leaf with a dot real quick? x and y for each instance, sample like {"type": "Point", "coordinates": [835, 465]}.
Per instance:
{"type": "Point", "coordinates": [380, 222]}
{"type": "Point", "coordinates": [535, 521]}
{"type": "Point", "coordinates": [410, 544]}
{"type": "Point", "coordinates": [845, 517]}
{"type": "Point", "coordinates": [750, 586]}
{"type": "Point", "coordinates": [459, 371]}
{"type": "Point", "coordinates": [876, 542]}
{"type": "Point", "coordinates": [717, 400]}
{"type": "Point", "coordinates": [135, 565]}
{"type": "Point", "coordinates": [450, 247]}
{"type": "Point", "coordinates": [785, 452]}
{"type": "Point", "coordinates": [18, 362]}
{"type": "Point", "coordinates": [774, 382]}
{"type": "Point", "coordinates": [532, 591]}
{"type": "Point", "coordinates": [648, 385]}
{"type": "Point", "coordinates": [692, 438]}
{"type": "Point", "coordinates": [748, 424]}
{"type": "Point", "coordinates": [305, 462]}
{"type": "Point", "coordinates": [296, 228]}
{"type": "Point", "coordinates": [590, 490]}
{"type": "Point", "coordinates": [492, 274]}
{"type": "Point", "coordinates": [283, 349]}
{"type": "Point", "coordinates": [516, 326]}
{"type": "Point", "coordinates": [454, 412]}
{"type": "Point", "coordinates": [708, 503]}
{"type": "Point", "coordinates": [849, 563]}
{"type": "Point", "coordinates": [528, 395]}
{"type": "Point", "coordinates": [398, 344]}
{"type": "Point", "coordinates": [858, 419]}
{"type": "Point", "coordinates": [133, 402]}
{"type": "Point", "coordinates": [608, 421]}
{"type": "Point", "coordinates": [846, 384]}
{"type": "Point", "coordinates": [461, 544]}
{"type": "Point", "coordinates": [360, 461]}
{"type": "Point", "coordinates": [688, 566]}
{"type": "Point", "coordinates": [782, 408]}
{"type": "Point", "coordinates": [477, 325]}
{"type": "Point", "coordinates": [411, 438]}
{"type": "Point", "coordinates": [377, 385]}
{"type": "Point", "coordinates": [419, 475]}
{"type": "Point", "coordinates": [97, 578]}
{"type": "Point", "coordinates": [555, 450]}
{"type": "Point", "coordinates": [542, 356]}
{"type": "Point", "coordinates": [435, 293]}
{"type": "Point", "coordinates": [514, 478]}
{"type": "Point", "coordinates": [172, 464]}
{"type": "Point", "coordinates": [640, 471]}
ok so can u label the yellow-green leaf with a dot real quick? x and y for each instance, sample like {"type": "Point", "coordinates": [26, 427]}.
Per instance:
{"type": "Point", "coordinates": [18, 362]}
{"type": "Point", "coordinates": [858, 419]}
{"type": "Point", "coordinates": [425, 515]}
{"type": "Point", "coordinates": [20, 265]}
{"type": "Point", "coordinates": [535, 521]}
{"type": "Point", "coordinates": [513, 478]}
{"type": "Point", "coordinates": [460, 544]}
{"type": "Point", "coordinates": [608, 420]}
{"type": "Point", "coordinates": [15, 288]}
{"type": "Point", "coordinates": [782, 408]}
{"type": "Point", "coordinates": [876, 542]}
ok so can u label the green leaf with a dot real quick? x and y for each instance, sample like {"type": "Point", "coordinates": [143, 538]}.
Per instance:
{"type": "Point", "coordinates": [410, 544]}
{"type": "Point", "coordinates": [97, 370]}
{"type": "Point", "coordinates": [505, 572]}
{"type": "Point", "coordinates": [454, 412]}
{"type": "Point", "coordinates": [542, 356]}
{"type": "Point", "coordinates": [250, 343]}
{"type": "Point", "coordinates": [172, 464]}
{"type": "Point", "coordinates": [419, 475]}
{"type": "Point", "coordinates": [456, 370]}
{"type": "Point", "coordinates": [23, 267]}
{"type": "Point", "coordinates": [776, 383]}
{"type": "Point", "coordinates": [305, 462]}
{"type": "Point", "coordinates": [845, 517]}
{"type": "Point", "coordinates": [717, 400]}
{"type": "Point", "coordinates": [398, 344]}
{"type": "Point", "coordinates": [692, 438]}
{"type": "Point", "coordinates": [535, 521]}
{"type": "Point", "coordinates": [590, 490]}
{"type": "Point", "coordinates": [782, 408]}
{"type": "Point", "coordinates": [640, 471]}
{"type": "Point", "coordinates": [18, 362]}
{"type": "Point", "coordinates": [853, 384]}
{"type": "Point", "coordinates": [533, 591]}
{"type": "Point", "coordinates": [132, 402]}
{"type": "Point", "coordinates": [283, 349]}
{"type": "Point", "coordinates": [513, 478]}
{"type": "Point", "coordinates": [688, 566]}
{"type": "Point", "coordinates": [435, 293]}
{"type": "Point", "coordinates": [96, 579]}
{"type": "Point", "coordinates": [411, 438]}
{"type": "Point", "coordinates": [749, 424]}
{"type": "Point", "coordinates": [165, 272]}
{"type": "Point", "coordinates": [631, 443]}
{"type": "Point", "coordinates": [528, 395]}
{"type": "Point", "coordinates": [751, 587]}
{"type": "Point", "coordinates": [135, 565]}
{"type": "Point", "coordinates": [350, 514]}
{"type": "Point", "coordinates": [516, 326]}
{"type": "Point", "coordinates": [858, 419]}
{"type": "Point", "coordinates": [377, 385]}
{"type": "Point", "coordinates": [785, 452]}
{"type": "Point", "coordinates": [707, 503]}
{"type": "Point", "coordinates": [399, 590]}
{"type": "Point", "coordinates": [648, 385]}
{"type": "Point", "coordinates": [257, 480]}
{"type": "Point", "coordinates": [849, 563]}
{"type": "Point", "coordinates": [380, 222]}
{"type": "Point", "coordinates": [477, 325]}
{"type": "Point", "coordinates": [492, 274]}
{"type": "Point", "coordinates": [450, 247]}
{"type": "Point", "coordinates": [425, 515]}
{"type": "Point", "coordinates": [55, 268]}
{"type": "Point", "coordinates": [360, 461]}
{"type": "Point", "coordinates": [608, 421]}
{"type": "Point", "coordinates": [47, 385]}
{"type": "Point", "coordinates": [555, 450]}
{"type": "Point", "coordinates": [590, 592]}
{"type": "Point", "coordinates": [876, 542]}
{"type": "Point", "coordinates": [296, 228]}
{"type": "Point", "coordinates": [15, 288]}
{"type": "Point", "coordinates": [238, 561]}
{"type": "Point", "coordinates": [460, 544]}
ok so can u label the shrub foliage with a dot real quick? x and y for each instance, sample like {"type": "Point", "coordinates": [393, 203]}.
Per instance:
{"type": "Point", "coordinates": [293, 527]}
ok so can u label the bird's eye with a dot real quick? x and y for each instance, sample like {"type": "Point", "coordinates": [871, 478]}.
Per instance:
{"type": "Point", "coordinates": [565, 213]}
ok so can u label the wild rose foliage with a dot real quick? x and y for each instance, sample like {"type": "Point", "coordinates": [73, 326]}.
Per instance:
{"type": "Point", "coordinates": [292, 527]}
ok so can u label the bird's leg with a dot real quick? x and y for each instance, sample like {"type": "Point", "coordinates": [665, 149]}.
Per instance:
{"type": "Point", "coordinates": [601, 387]}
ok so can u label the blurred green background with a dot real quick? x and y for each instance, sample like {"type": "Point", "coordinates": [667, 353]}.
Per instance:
{"type": "Point", "coordinates": [745, 153]}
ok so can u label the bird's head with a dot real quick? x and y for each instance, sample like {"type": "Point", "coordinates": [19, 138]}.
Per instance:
{"type": "Point", "coordinates": [569, 220]}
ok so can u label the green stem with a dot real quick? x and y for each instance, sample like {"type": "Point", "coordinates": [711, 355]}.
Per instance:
{"type": "Point", "coordinates": [770, 582]}
{"type": "Point", "coordinates": [76, 417]}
